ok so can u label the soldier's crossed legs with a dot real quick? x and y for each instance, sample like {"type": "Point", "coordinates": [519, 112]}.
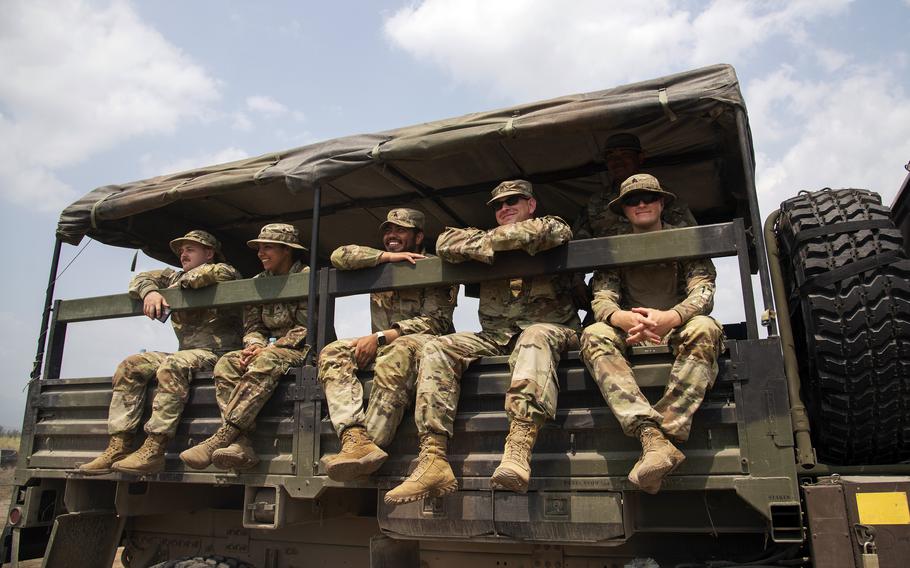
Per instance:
{"type": "Point", "coordinates": [696, 345]}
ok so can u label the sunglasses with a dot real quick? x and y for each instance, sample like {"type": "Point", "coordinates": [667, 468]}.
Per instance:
{"type": "Point", "coordinates": [634, 200]}
{"type": "Point", "coordinates": [510, 201]}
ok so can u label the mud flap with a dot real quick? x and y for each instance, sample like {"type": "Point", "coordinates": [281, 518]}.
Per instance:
{"type": "Point", "coordinates": [568, 517]}
{"type": "Point", "coordinates": [88, 539]}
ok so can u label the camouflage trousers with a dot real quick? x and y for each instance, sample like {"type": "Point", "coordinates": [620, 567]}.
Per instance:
{"type": "Point", "coordinates": [533, 388]}
{"type": "Point", "coordinates": [394, 377]}
{"type": "Point", "coordinates": [173, 371]}
{"type": "Point", "coordinates": [696, 344]}
{"type": "Point", "coordinates": [241, 391]}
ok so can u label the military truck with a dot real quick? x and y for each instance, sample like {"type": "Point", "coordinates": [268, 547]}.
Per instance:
{"type": "Point", "coordinates": [797, 457]}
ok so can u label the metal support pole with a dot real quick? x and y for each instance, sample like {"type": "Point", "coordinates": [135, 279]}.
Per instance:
{"type": "Point", "coordinates": [805, 455]}
{"type": "Point", "coordinates": [314, 265]}
{"type": "Point", "coordinates": [46, 316]}
{"type": "Point", "coordinates": [755, 218]}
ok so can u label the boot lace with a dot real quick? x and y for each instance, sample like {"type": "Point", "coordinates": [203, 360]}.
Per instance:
{"type": "Point", "coordinates": [518, 446]}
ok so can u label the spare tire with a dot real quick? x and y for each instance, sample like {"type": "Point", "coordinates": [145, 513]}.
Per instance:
{"type": "Point", "coordinates": [848, 281]}
{"type": "Point", "coordinates": [203, 562]}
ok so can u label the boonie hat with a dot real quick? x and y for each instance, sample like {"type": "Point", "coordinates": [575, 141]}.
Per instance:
{"type": "Point", "coordinates": [279, 234]}
{"type": "Point", "coordinates": [509, 188]}
{"type": "Point", "coordinates": [639, 183]}
{"type": "Point", "coordinates": [623, 141]}
{"type": "Point", "coordinates": [199, 237]}
{"type": "Point", "coordinates": [404, 217]}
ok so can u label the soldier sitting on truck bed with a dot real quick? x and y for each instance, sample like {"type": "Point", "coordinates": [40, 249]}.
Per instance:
{"type": "Point", "coordinates": [624, 157]}
{"type": "Point", "coordinates": [201, 334]}
{"type": "Point", "coordinates": [246, 379]}
{"type": "Point", "coordinates": [402, 321]}
{"type": "Point", "coordinates": [656, 303]}
{"type": "Point", "coordinates": [534, 319]}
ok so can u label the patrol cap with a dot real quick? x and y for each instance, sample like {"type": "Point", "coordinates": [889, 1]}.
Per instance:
{"type": "Point", "coordinates": [623, 141]}
{"type": "Point", "coordinates": [404, 217]}
{"type": "Point", "coordinates": [199, 237]}
{"type": "Point", "coordinates": [509, 188]}
{"type": "Point", "coordinates": [639, 183]}
{"type": "Point", "coordinates": [279, 234]}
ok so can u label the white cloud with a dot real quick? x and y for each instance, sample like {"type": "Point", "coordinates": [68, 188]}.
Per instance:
{"type": "Point", "coordinates": [265, 105]}
{"type": "Point", "coordinates": [151, 167]}
{"type": "Point", "coordinates": [513, 45]}
{"type": "Point", "coordinates": [78, 80]}
{"type": "Point", "coordinates": [849, 133]}
{"type": "Point", "coordinates": [241, 122]}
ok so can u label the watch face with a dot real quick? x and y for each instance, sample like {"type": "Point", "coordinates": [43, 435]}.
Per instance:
{"type": "Point", "coordinates": [380, 338]}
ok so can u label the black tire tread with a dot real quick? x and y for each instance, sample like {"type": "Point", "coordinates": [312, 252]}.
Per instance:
{"type": "Point", "coordinates": [853, 336]}
{"type": "Point", "coordinates": [213, 561]}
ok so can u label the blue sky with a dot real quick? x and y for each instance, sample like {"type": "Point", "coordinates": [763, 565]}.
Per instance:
{"type": "Point", "coordinates": [94, 93]}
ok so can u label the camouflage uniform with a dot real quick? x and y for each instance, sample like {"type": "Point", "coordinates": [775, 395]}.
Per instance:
{"type": "Point", "coordinates": [535, 315]}
{"type": "Point", "coordinates": [684, 286]}
{"type": "Point", "coordinates": [201, 335]}
{"type": "Point", "coordinates": [242, 392]}
{"type": "Point", "coordinates": [419, 314]}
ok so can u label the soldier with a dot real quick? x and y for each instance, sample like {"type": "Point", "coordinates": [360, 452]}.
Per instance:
{"type": "Point", "coordinates": [624, 158]}
{"type": "Point", "coordinates": [656, 303]}
{"type": "Point", "coordinates": [402, 321]}
{"type": "Point", "coordinates": [246, 379]}
{"type": "Point", "coordinates": [202, 335]}
{"type": "Point", "coordinates": [533, 318]}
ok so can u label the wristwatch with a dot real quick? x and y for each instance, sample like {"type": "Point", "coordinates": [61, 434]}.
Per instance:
{"type": "Point", "coordinates": [380, 339]}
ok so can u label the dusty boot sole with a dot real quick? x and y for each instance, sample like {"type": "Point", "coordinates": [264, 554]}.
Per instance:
{"type": "Point", "coordinates": [91, 472]}
{"type": "Point", "coordinates": [650, 480]}
{"type": "Point", "coordinates": [340, 468]}
{"type": "Point", "coordinates": [505, 478]}
{"type": "Point", "coordinates": [451, 487]}
{"type": "Point", "coordinates": [138, 471]}
{"type": "Point", "coordinates": [233, 462]}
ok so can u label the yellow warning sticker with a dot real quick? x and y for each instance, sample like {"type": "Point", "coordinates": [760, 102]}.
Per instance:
{"type": "Point", "coordinates": [883, 508]}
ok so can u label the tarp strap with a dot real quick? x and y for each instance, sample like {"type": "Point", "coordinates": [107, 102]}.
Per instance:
{"type": "Point", "coordinates": [262, 170]}
{"type": "Point", "coordinates": [95, 208]}
{"type": "Point", "coordinates": [807, 286]}
{"type": "Point", "coordinates": [509, 129]}
{"type": "Point", "coordinates": [173, 190]}
{"type": "Point", "coordinates": [374, 153]}
{"type": "Point", "coordinates": [844, 227]}
{"type": "Point", "coordinates": [665, 104]}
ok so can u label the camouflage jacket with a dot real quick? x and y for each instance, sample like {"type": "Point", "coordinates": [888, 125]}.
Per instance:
{"type": "Point", "coordinates": [596, 219]}
{"type": "Point", "coordinates": [411, 310]}
{"type": "Point", "coordinates": [511, 305]}
{"type": "Point", "coordinates": [686, 286]}
{"type": "Point", "coordinates": [217, 329]}
{"type": "Point", "coordinates": [285, 321]}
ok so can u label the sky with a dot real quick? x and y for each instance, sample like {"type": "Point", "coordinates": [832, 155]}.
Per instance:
{"type": "Point", "coordinates": [103, 92]}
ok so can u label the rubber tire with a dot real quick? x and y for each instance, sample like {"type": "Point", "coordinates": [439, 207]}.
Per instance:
{"type": "Point", "coordinates": [203, 562]}
{"type": "Point", "coordinates": [852, 337]}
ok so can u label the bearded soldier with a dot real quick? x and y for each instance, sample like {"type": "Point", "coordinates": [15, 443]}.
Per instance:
{"type": "Point", "coordinates": [202, 335]}
{"type": "Point", "coordinates": [246, 379]}
{"type": "Point", "coordinates": [534, 319]}
{"type": "Point", "coordinates": [402, 322]}
{"type": "Point", "coordinates": [658, 303]}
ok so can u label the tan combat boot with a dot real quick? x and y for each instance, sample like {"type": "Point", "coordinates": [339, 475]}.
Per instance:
{"type": "Point", "coordinates": [148, 459]}
{"type": "Point", "coordinates": [200, 455]}
{"type": "Point", "coordinates": [658, 459]}
{"type": "Point", "coordinates": [432, 477]}
{"type": "Point", "coordinates": [358, 457]}
{"type": "Point", "coordinates": [117, 448]}
{"type": "Point", "coordinates": [514, 471]}
{"type": "Point", "coordinates": [238, 456]}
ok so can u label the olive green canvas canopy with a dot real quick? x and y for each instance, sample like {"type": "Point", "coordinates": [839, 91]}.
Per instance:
{"type": "Point", "coordinates": [686, 123]}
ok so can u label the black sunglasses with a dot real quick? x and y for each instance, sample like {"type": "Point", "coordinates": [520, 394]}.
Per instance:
{"type": "Point", "coordinates": [510, 201]}
{"type": "Point", "coordinates": [646, 198]}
